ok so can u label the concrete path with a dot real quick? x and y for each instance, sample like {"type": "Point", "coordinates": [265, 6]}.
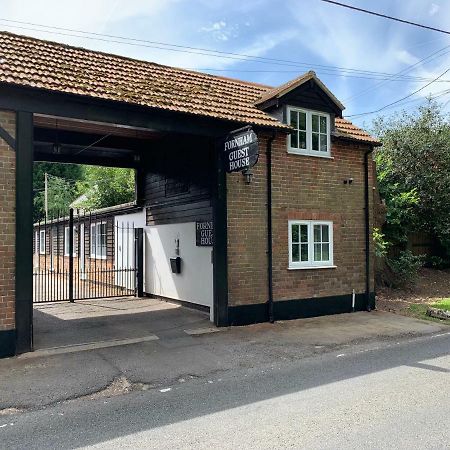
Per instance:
{"type": "Point", "coordinates": [99, 320]}
{"type": "Point", "coordinates": [36, 380]}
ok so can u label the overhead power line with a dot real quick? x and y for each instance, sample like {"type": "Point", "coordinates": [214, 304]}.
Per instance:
{"type": "Point", "coordinates": [184, 49]}
{"type": "Point", "coordinates": [401, 99]}
{"type": "Point", "coordinates": [428, 58]}
{"type": "Point", "coordinates": [385, 16]}
{"type": "Point", "coordinates": [393, 77]}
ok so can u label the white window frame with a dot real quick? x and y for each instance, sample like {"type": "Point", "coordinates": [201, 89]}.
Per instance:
{"type": "Point", "coordinates": [42, 242]}
{"type": "Point", "coordinates": [311, 263]}
{"type": "Point", "coordinates": [36, 243]}
{"type": "Point", "coordinates": [309, 151]}
{"type": "Point", "coordinates": [96, 254]}
{"type": "Point", "coordinates": [66, 241]}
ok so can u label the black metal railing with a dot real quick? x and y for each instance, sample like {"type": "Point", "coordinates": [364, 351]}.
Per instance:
{"type": "Point", "coordinates": [86, 255]}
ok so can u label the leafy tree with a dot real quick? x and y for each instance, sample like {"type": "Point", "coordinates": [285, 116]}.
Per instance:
{"type": "Point", "coordinates": [62, 189]}
{"type": "Point", "coordinates": [413, 171]}
{"type": "Point", "coordinates": [106, 186]}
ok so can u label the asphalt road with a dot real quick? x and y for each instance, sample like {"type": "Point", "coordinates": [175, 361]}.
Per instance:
{"type": "Point", "coordinates": [396, 395]}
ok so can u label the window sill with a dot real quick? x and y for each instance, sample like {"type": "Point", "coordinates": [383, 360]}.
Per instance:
{"type": "Point", "coordinates": [306, 153]}
{"type": "Point", "coordinates": [310, 267]}
{"type": "Point", "coordinates": [97, 257]}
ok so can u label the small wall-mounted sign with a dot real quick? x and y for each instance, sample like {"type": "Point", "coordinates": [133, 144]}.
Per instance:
{"type": "Point", "coordinates": [240, 150]}
{"type": "Point", "coordinates": [204, 233]}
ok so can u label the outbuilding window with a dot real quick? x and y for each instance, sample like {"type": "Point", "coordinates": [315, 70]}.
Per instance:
{"type": "Point", "coordinates": [42, 242]}
{"type": "Point", "coordinates": [66, 241]}
{"type": "Point", "coordinates": [311, 135]}
{"type": "Point", "coordinates": [98, 240]}
{"type": "Point", "coordinates": [310, 244]}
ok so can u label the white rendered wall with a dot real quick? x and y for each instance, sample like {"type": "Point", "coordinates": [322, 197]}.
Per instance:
{"type": "Point", "coordinates": [195, 282]}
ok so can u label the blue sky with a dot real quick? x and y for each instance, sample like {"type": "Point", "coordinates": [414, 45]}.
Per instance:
{"type": "Point", "coordinates": [303, 31]}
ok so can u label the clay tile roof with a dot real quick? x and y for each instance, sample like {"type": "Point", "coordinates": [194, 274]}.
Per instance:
{"type": "Point", "coordinates": [40, 64]}
{"type": "Point", "coordinates": [345, 129]}
{"type": "Point", "coordinates": [47, 65]}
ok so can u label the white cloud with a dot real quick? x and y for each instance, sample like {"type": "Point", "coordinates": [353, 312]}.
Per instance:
{"type": "Point", "coordinates": [216, 26]}
{"type": "Point", "coordinates": [433, 9]}
{"type": "Point", "coordinates": [221, 31]}
{"type": "Point", "coordinates": [405, 57]}
{"type": "Point", "coordinates": [81, 14]}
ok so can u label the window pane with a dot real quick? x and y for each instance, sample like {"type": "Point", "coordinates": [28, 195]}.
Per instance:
{"type": "Point", "coordinates": [325, 234]}
{"type": "Point", "coordinates": [317, 252]}
{"type": "Point", "coordinates": [315, 122]}
{"type": "Point", "coordinates": [295, 252]}
{"type": "Point", "coordinates": [304, 252]}
{"type": "Point", "coordinates": [323, 124]}
{"type": "Point", "coordinates": [302, 140]}
{"type": "Point", "coordinates": [294, 233]}
{"type": "Point", "coordinates": [304, 233]}
{"type": "Point", "coordinates": [66, 241]}
{"type": "Point", "coordinates": [294, 139]}
{"type": "Point", "coordinates": [315, 141]}
{"type": "Point", "coordinates": [102, 239]}
{"type": "Point", "coordinates": [325, 252]}
{"type": "Point", "coordinates": [317, 233]}
{"type": "Point", "coordinates": [302, 121]}
{"type": "Point", "coordinates": [93, 239]}
{"type": "Point", "coordinates": [323, 143]}
{"type": "Point", "coordinates": [294, 119]}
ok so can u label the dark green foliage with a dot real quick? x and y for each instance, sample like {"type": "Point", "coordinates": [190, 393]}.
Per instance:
{"type": "Point", "coordinates": [436, 262]}
{"type": "Point", "coordinates": [106, 186]}
{"type": "Point", "coordinates": [405, 267]}
{"type": "Point", "coordinates": [102, 187]}
{"type": "Point", "coordinates": [413, 171]}
{"type": "Point", "coordinates": [62, 189]}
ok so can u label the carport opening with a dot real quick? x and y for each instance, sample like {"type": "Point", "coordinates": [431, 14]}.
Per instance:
{"type": "Point", "coordinates": [131, 266]}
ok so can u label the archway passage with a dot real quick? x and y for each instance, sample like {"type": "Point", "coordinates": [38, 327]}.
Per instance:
{"type": "Point", "coordinates": [127, 250]}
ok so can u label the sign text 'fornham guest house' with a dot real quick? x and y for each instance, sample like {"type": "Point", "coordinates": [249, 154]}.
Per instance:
{"type": "Point", "coordinates": [241, 150]}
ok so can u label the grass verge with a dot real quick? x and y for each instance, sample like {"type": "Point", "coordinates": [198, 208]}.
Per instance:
{"type": "Point", "coordinates": [419, 310]}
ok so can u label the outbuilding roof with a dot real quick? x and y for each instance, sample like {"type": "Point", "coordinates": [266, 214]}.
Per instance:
{"type": "Point", "coordinates": [36, 63]}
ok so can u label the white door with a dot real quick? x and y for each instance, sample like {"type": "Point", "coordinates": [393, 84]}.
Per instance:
{"type": "Point", "coordinates": [124, 255]}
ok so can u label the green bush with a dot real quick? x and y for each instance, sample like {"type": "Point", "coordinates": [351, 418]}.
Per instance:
{"type": "Point", "coordinates": [436, 262]}
{"type": "Point", "coordinates": [405, 267]}
{"type": "Point", "coordinates": [381, 245]}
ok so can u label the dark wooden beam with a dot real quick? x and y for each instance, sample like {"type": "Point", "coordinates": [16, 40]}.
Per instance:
{"type": "Point", "coordinates": [99, 140]}
{"type": "Point", "coordinates": [220, 247]}
{"type": "Point", "coordinates": [127, 163]}
{"type": "Point", "coordinates": [24, 231]}
{"type": "Point", "coordinates": [87, 108]}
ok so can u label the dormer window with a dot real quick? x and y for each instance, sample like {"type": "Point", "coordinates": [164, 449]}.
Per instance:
{"type": "Point", "coordinates": [311, 135]}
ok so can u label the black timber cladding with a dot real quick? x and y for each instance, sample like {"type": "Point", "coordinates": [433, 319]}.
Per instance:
{"type": "Point", "coordinates": [308, 96]}
{"type": "Point", "coordinates": [178, 178]}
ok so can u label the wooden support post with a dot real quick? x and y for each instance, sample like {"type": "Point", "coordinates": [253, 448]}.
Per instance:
{"type": "Point", "coordinates": [24, 232]}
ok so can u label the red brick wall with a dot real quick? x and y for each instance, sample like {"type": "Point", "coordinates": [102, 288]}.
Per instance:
{"type": "Point", "coordinates": [303, 187]}
{"type": "Point", "coordinates": [247, 235]}
{"type": "Point", "coordinates": [7, 224]}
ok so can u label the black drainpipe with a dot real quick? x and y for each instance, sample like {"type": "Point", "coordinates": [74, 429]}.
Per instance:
{"type": "Point", "coordinates": [367, 224]}
{"type": "Point", "coordinates": [269, 224]}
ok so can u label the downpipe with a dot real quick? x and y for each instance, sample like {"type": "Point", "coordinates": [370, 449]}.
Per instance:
{"type": "Point", "coordinates": [367, 225]}
{"type": "Point", "coordinates": [269, 226]}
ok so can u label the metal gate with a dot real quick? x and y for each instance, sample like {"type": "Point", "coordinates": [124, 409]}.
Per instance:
{"type": "Point", "coordinates": [86, 255]}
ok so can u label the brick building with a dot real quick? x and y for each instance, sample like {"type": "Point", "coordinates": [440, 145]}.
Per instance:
{"type": "Point", "coordinates": [292, 236]}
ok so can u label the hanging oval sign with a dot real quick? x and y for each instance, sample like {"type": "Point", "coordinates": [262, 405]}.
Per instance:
{"type": "Point", "coordinates": [241, 150]}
